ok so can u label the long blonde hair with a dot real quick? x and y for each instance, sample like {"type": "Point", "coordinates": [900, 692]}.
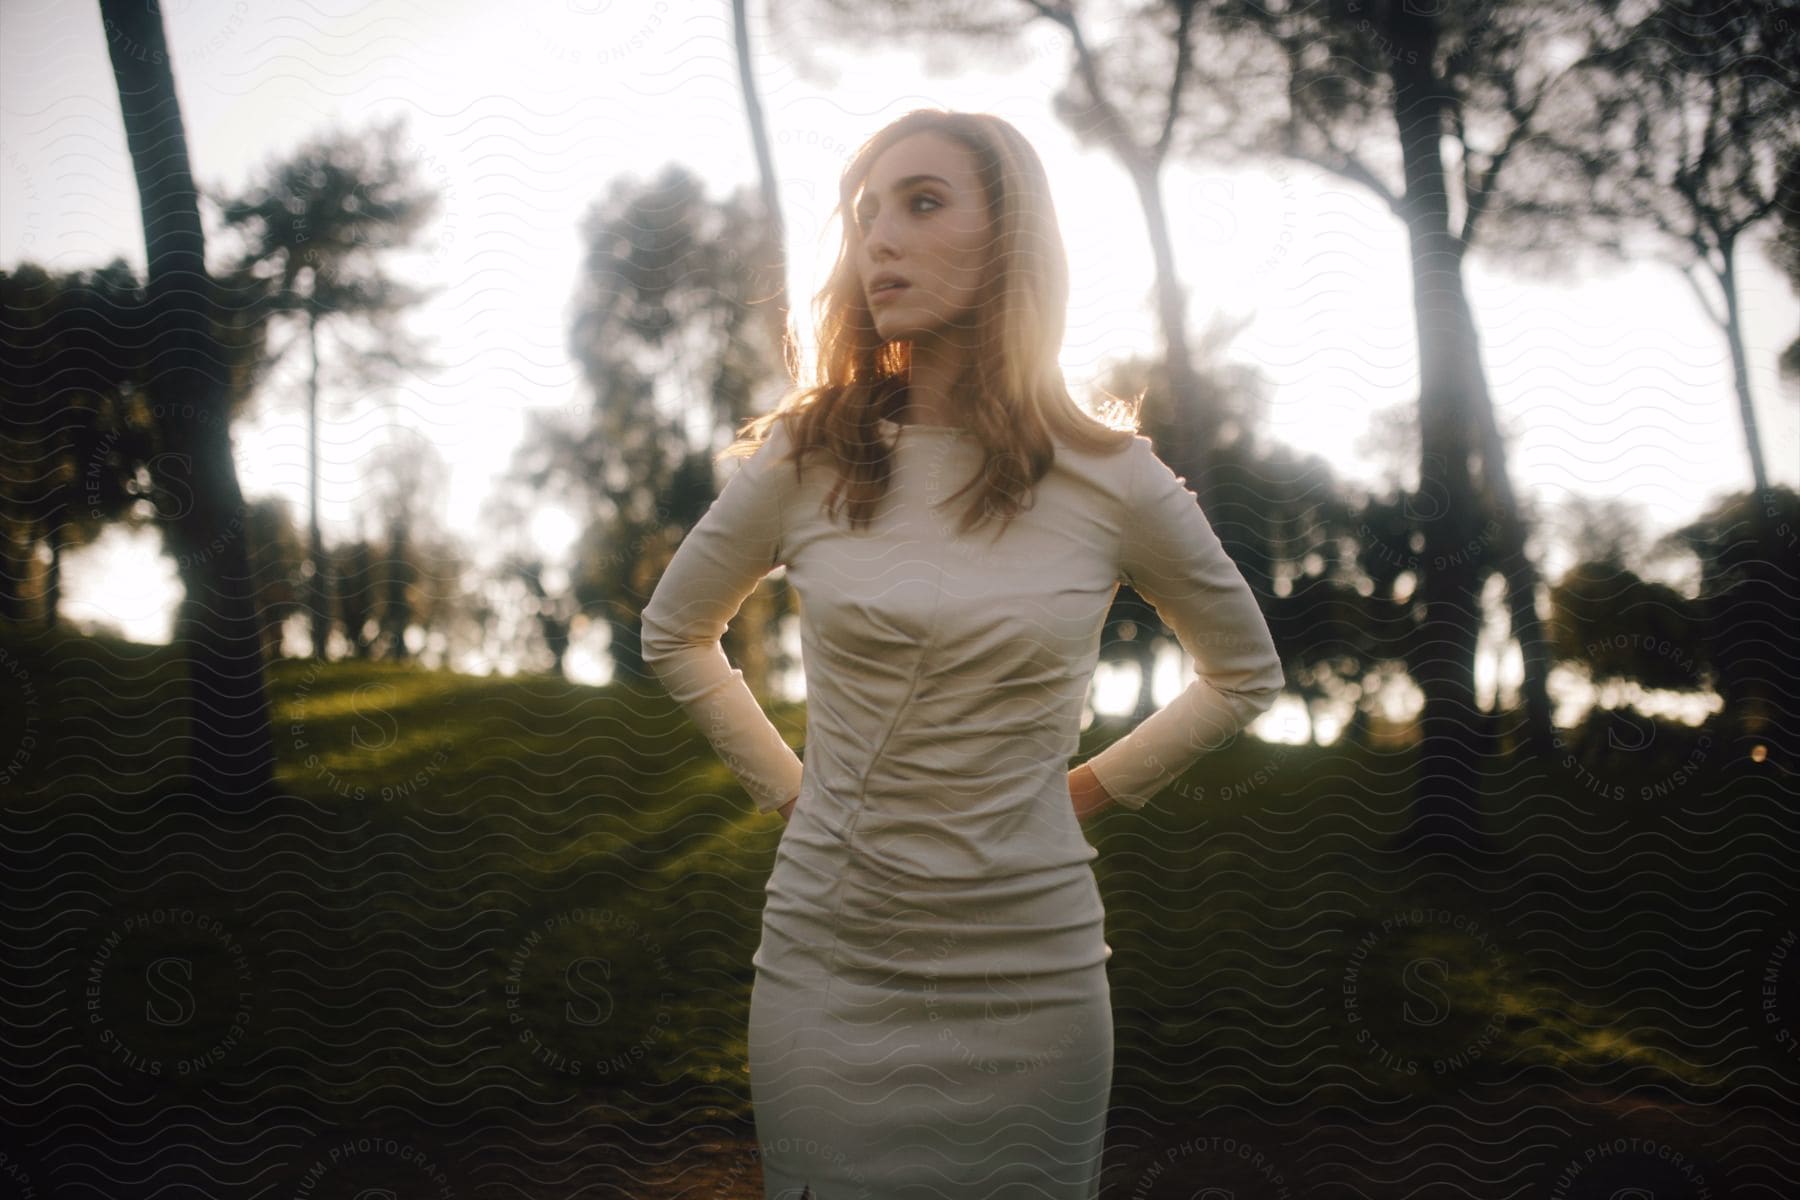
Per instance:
{"type": "Point", "coordinates": [1021, 307]}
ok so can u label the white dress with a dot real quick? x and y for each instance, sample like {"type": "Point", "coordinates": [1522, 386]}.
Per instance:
{"type": "Point", "coordinates": [930, 1016]}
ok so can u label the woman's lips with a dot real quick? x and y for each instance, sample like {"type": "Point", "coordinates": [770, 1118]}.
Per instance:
{"type": "Point", "coordinates": [887, 293]}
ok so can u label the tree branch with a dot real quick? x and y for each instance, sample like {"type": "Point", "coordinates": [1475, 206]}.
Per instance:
{"type": "Point", "coordinates": [1480, 195]}
{"type": "Point", "coordinates": [1113, 128]}
{"type": "Point", "coordinates": [1344, 165]}
{"type": "Point", "coordinates": [1183, 55]}
{"type": "Point", "coordinates": [1687, 273]}
{"type": "Point", "coordinates": [1459, 130]}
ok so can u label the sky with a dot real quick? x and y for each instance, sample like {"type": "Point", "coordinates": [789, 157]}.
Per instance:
{"type": "Point", "coordinates": [1612, 382]}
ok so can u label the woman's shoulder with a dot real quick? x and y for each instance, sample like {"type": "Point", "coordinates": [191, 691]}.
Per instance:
{"type": "Point", "coordinates": [775, 449]}
{"type": "Point", "coordinates": [1110, 458]}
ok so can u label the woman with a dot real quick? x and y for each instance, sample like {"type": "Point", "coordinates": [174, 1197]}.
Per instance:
{"type": "Point", "coordinates": [930, 1015]}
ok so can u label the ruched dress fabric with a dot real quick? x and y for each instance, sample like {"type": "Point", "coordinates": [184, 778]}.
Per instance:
{"type": "Point", "coordinates": [930, 1016]}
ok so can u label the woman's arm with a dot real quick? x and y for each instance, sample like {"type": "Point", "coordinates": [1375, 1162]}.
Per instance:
{"type": "Point", "coordinates": [720, 562]}
{"type": "Point", "coordinates": [1169, 553]}
{"type": "Point", "coordinates": [1086, 792]}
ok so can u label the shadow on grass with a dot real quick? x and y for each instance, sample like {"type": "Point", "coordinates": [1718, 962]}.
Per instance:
{"type": "Point", "coordinates": [524, 910]}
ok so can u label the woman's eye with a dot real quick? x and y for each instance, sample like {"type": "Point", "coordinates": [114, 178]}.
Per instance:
{"type": "Point", "coordinates": [864, 218]}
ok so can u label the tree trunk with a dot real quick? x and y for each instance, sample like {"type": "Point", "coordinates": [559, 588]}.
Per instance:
{"type": "Point", "coordinates": [555, 631]}
{"type": "Point", "coordinates": [355, 597]}
{"type": "Point", "coordinates": [1445, 813]}
{"type": "Point", "coordinates": [53, 574]}
{"type": "Point", "coordinates": [396, 612]}
{"type": "Point", "coordinates": [1193, 437]}
{"type": "Point", "coordinates": [1508, 551]}
{"type": "Point", "coordinates": [15, 563]}
{"type": "Point", "coordinates": [317, 591]}
{"type": "Point", "coordinates": [1740, 373]}
{"type": "Point", "coordinates": [1195, 429]}
{"type": "Point", "coordinates": [1192, 449]}
{"type": "Point", "coordinates": [765, 159]}
{"type": "Point", "coordinates": [1534, 649]}
{"type": "Point", "coordinates": [758, 616]}
{"type": "Point", "coordinates": [230, 754]}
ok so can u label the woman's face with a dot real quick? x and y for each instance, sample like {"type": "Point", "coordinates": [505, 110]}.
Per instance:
{"type": "Point", "coordinates": [922, 218]}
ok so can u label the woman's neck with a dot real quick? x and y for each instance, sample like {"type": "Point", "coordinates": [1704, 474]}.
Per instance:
{"type": "Point", "coordinates": [933, 370]}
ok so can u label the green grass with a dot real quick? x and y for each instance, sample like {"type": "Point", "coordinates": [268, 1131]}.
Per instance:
{"type": "Point", "coordinates": [481, 887]}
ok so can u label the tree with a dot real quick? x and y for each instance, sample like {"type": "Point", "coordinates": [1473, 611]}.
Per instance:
{"type": "Point", "coordinates": [1674, 140]}
{"type": "Point", "coordinates": [377, 572]}
{"type": "Point", "coordinates": [1603, 615]}
{"type": "Point", "coordinates": [276, 554]}
{"type": "Point", "coordinates": [354, 573]}
{"type": "Point", "coordinates": [666, 329]}
{"type": "Point", "coordinates": [1749, 562]}
{"type": "Point", "coordinates": [1425, 79]}
{"type": "Point", "coordinates": [318, 226]}
{"type": "Point", "coordinates": [84, 438]}
{"type": "Point", "coordinates": [1784, 250]}
{"type": "Point", "coordinates": [76, 431]}
{"type": "Point", "coordinates": [409, 492]}
{"type": "Point", "coordinates": [551, 604]}
{"type": "Point", "coordinates": [230, 750]}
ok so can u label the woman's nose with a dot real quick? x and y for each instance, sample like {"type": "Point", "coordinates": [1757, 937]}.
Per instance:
{"type": "Point", "coordinates": [877, 240]}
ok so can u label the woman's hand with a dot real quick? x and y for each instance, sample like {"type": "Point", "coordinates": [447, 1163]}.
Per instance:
{"type": "Point", "coordinates": [1086, 792]}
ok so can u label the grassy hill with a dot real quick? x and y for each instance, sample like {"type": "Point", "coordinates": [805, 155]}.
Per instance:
{"type": "Point", "coordinates": [507, 899]}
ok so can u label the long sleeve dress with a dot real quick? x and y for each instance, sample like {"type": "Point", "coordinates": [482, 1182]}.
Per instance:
{"type": "Point", "coordinates": [930, 1015]}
